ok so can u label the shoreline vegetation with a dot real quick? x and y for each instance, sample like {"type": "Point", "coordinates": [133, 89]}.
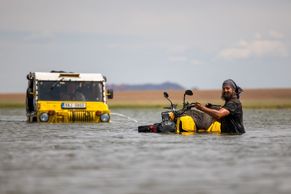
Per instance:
{"type": "Point", "coordinates": [251, 98]}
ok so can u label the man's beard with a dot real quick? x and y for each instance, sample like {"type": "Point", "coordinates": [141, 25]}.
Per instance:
{"type": "Point", "coordinates": [226, 96]}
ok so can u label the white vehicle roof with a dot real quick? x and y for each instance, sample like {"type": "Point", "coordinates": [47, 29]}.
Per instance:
{"type": "Point", "coordinates": [65, 76]}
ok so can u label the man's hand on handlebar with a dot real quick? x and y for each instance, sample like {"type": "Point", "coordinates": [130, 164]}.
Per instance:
{"type": "Point", "coordinates": [197, 105]}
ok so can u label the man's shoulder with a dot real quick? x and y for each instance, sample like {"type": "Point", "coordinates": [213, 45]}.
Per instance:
{"type": "Point", "coordinates": [233, 101]}
{"type": "Point", "coordinates": [232, 104]}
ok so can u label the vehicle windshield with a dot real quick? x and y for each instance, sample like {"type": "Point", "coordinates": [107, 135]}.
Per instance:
{"type": "Point", "coordinates": [70, 90]}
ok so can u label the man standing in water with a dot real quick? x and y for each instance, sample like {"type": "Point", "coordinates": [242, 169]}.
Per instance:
{"type": "Point", "coordinates": [230, 115]}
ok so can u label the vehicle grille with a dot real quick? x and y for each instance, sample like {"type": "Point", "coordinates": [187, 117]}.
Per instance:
{"type": "Point", "coordinates": [81, 116]}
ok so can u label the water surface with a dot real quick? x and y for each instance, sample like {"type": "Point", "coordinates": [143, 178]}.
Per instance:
{"type": "Point", "coordinates": [115, 158]}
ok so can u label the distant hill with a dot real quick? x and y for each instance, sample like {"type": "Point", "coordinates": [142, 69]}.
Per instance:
{"type": "Point", "coordinates": [142, 87]}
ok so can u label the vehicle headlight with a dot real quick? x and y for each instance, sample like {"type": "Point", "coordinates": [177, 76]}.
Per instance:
{"type": "Point", "coordinates": [105, 117]}
{"type": "Point", "coordinates": [43, 117]}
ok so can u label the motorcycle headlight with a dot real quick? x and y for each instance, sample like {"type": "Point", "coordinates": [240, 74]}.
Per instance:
{"type": "Point", "coordinates": [168, 116]}
{"type": "Point", "coordinates": [171, 116]}
{"type": "Point", "coordinates": [44, 117]}
{"type": "Point", "coordinates": [105, 117]}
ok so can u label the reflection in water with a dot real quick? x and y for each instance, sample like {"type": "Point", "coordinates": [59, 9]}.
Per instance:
{"type": "Point", "coordinates": [115, 158]}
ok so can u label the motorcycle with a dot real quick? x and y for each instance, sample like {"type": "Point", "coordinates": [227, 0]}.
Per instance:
{"type": "Point", "coordinates": [183, 121]}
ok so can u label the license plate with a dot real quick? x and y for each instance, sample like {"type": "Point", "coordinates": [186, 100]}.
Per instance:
{"type": "Point", "coordinates": [73, 105]}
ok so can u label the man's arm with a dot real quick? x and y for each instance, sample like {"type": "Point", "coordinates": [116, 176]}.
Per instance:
{"type": "Point", "coordinates": [217, 114]}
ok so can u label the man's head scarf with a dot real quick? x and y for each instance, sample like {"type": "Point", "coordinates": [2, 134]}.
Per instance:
{"type": "Point", "coordinates": [231, 83]}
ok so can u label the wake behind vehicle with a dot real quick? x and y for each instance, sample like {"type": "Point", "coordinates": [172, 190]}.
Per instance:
{"type": "Point", "coordinates": [63, 97]}
{"type": "Point", "coordinates": [183, 121]}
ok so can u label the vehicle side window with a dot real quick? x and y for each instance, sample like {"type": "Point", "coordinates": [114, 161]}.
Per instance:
{"type": "Point", "coordinates": [29, 97]}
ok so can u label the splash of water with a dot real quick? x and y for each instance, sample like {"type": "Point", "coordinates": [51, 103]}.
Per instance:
{"type": "Point", "coordinates": [125, 116]}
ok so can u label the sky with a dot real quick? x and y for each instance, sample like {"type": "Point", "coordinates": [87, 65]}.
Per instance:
{"type": "Point", "coordinates": [195, 43]}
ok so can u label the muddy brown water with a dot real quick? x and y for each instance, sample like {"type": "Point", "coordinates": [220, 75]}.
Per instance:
{"type": "Point", "coordinates": [115, 158]}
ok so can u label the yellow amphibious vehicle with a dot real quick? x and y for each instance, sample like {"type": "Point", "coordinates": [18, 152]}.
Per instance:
{"type": "Point", "coordinates": [62, 97]}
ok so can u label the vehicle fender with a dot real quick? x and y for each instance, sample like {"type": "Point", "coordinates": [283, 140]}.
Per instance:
{"type": "Point", "coordinates": [185, 124]}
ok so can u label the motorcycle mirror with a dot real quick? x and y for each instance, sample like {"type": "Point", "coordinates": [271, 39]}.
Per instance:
{"type": "Point", "coordinates": [189, 93]}
{"type": "Point", "coordinates": [166, 95]}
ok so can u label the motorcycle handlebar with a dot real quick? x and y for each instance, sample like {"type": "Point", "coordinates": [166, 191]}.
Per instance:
{"type": "Point", "coordinates": [189, 106]}
{"type": "Point", "coordinates": [182, 111]}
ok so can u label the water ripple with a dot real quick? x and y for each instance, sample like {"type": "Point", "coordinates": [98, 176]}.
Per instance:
{"type": "Point", "coordinates": [114, 158]}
